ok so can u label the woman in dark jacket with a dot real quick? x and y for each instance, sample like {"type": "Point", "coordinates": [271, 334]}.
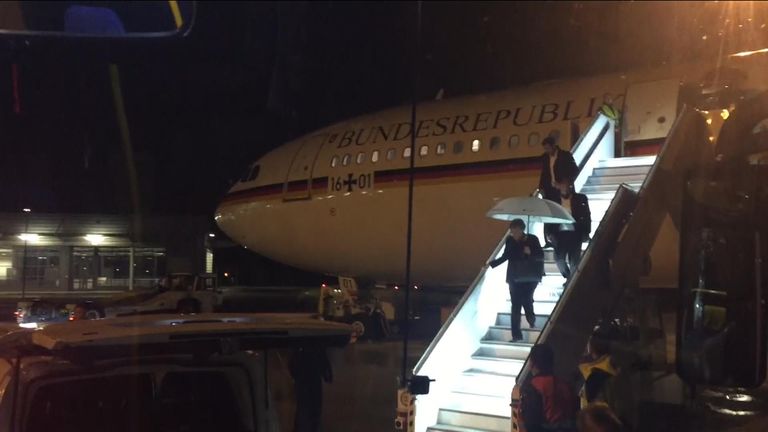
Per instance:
{"type": "Point", "coordinates": [525, 269]}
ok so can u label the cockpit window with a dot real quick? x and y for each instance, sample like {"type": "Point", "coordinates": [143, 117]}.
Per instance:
{"type": "Point", "coordinates": [251, 173]}
{"type": "Point", "coordinates": [254, 172]}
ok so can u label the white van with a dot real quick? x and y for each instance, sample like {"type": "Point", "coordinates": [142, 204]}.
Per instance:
{"type": "Point", "coordinates": [150, 373]}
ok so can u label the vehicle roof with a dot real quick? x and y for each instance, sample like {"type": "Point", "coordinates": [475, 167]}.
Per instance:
{"type": "Point", "coordinates": [174, 333]}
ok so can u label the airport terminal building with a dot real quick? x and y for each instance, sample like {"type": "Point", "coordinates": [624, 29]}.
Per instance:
{"type": "Point", "coordinates": [88, 252]}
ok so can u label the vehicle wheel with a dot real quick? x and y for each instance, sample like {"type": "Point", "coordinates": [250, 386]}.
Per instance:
{"type": "Point", "coordinates": [358, 328]}
{"type": "Point", "coordinates": [92, 314]}
{"type": "Point", "coordinates": [188, 307]}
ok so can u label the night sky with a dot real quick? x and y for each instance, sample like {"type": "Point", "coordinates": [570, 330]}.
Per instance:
{"type": "Point", "coordinates": [252, 75]}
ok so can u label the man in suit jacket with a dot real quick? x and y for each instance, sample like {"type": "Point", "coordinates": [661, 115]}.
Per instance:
{"type": "Point", "coordinates": [567, 239]}
{"type": "Point", "coordinates": [557, 165]}
{"type": "Point", "coordinates": [525, 249]}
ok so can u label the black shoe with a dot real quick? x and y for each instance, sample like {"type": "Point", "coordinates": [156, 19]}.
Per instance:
{"type": "Point", "coordinates": [516, 339]}
{"type": "Point", "coordinates": [548, 245]}
{"type": "Point", "coordinates": [532, 324]}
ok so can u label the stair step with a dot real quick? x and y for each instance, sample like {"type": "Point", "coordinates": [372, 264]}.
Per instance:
{"type": "Point", "coordinates": [603, 192]}
{"type": "Point", "coordinates": [451, 428]}
{"type": "Point", "coordinates": [615, 179]}
{"type": "Point", "coordinates": [485, 384]}
{"type": "Point", "coordinates": [626, 161]}
{"type": "Point", "coordinates": [627, 170]}
{"type": "Point", "coordinates": [502, 319]}
{"type": "Point", "coordinates": [476, 411]}
{"type": "Point", "coordinates": [503, 334]}
{"type": "Point", "coordinates": [504, 350]}
{"type": "Point", "coordinates": [496, 365]}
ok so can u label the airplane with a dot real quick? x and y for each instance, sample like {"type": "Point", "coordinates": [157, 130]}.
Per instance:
{"type": "Point", "coordinates": [335, 200]}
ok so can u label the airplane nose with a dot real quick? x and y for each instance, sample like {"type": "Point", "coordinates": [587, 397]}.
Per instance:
{"type": "Point", "coordinates": [228, 217]}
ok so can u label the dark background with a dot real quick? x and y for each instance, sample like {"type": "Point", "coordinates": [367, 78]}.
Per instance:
{"type": "Point", "coordinates": [250, 76]}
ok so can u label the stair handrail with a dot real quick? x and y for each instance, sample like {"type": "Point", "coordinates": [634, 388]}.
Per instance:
{"type": "Point", "coordinates": [456, 310]}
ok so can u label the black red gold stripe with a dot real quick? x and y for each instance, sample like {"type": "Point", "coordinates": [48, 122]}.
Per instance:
{"type": "Point", "coordinates": [382, 177]}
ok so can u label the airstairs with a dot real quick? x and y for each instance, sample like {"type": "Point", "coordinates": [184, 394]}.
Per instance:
{"type": "Point", "coordinates": [472, 359]}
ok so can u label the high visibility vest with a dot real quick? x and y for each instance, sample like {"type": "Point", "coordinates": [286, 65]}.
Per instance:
{"type": "Point", "coordinates": [609, 111]}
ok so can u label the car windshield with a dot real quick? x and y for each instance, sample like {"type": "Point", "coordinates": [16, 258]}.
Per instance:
{"type": "Point", "coordinates": [459, 181]}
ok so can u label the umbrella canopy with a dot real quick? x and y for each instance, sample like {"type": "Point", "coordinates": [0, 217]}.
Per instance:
{"type": "Point", "coordinates": [531, 208]}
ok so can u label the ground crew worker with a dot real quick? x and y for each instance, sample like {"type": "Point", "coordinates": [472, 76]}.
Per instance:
{"type": "Point", "coordinates": [609, 110]}
{"type": "Point", "coordinates": [598, 370]}
{"type": "Point", "coordinates": [547, 403]}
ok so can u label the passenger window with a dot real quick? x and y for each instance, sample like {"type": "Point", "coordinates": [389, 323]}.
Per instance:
{"type": "Point", "coordinates": [407, 152]}
{"type": "Point", "coordinates": [345, 160]}
{"type": "Point", "coordinates": [514, 141]}
{"type": "Point", "coordinates": [495, 143]}
{"type": "Point", "coordinates": [533, 139]}
{"type": "Point", "coordinates": [360, 158]}
{"type": "Point", "coordinates": [334, 161]}
{"type": "Point", "coordinates": [424, 151]}
{"type": "Point", "coordinates": [440, 150]}
{"type": "Point", "coordinates": [375, 156]}
{"type": "Point", "coordinates": [390, 154]}
{"type": "Point", "coordinates": [475, 146]}
{"type": "Point", "coordinates": [458, 147]}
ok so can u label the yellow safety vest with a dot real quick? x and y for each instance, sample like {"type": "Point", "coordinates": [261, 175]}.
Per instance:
{"type": "Point", "coordinates": [603, 363]}
{"type": "Point", "coordinates": [609, 111]}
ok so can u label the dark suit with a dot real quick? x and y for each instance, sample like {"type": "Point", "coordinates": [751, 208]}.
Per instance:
{"type": "Point", "coordinates": [565, 169]}
{"type": "Point", "coordinates": [568, 243]}
{"type": "Point", "coordinates": [521, 293]}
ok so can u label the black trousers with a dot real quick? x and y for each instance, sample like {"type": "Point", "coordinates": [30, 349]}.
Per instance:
{"type": "Point", "coordinates": [551, 194]}
{"type": "Point", "coordinates": [567, 251]}
{"type": "Point", "coordinates": [521, 294]}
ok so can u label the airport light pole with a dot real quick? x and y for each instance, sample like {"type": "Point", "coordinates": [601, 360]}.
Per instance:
{"type": "Point", "coordinates": [407, 299]}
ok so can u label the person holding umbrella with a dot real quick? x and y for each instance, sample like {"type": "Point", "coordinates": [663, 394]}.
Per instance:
{"type": "Point", "coordinates": [525, 269]}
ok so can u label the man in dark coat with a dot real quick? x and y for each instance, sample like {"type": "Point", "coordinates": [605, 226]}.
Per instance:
{"type": "Point", "coordinates": [309, 367]}
{"type": "Point", "coordinates": [567, 238]}
{"type": "Point", "coordinates": [525, 269]}
{"type": "Point", "coordinates": [557, 165]}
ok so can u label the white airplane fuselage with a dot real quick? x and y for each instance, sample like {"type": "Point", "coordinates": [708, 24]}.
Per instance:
{"type": "Point", "coordinates": [335, 201]}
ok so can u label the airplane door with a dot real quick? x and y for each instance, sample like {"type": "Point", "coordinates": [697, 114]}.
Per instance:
{"type": "Point", "coordinates": [298, 183]}
{"type": "Point", "coordinates": [650, 109]}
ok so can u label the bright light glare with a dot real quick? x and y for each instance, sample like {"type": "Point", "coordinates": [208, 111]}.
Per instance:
{"type": "Point", "coordinates": [95, 239]}
{"type": "Point", "coordinates": [26, 210]}
{"type": "Point", "coordinates": [739, 397]}
{"type": "Point", "coordinates": [724, 114]}
{"type": "Point", "coordinates": [211, 235]}
{"type": "Point", "coordinates": [749, 53]}
{"type": "Point", "coordinates": [29, 237]}
{"type": "Point", "coordinates": [28, 325]}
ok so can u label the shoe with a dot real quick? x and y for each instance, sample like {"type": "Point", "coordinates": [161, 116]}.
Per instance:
{"type": "Point", "coordinates": [548, 245]}
{"type": "Point", "coordinates": [532, 324]}
{"type": "Point", "coordinates": [516, 339]}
